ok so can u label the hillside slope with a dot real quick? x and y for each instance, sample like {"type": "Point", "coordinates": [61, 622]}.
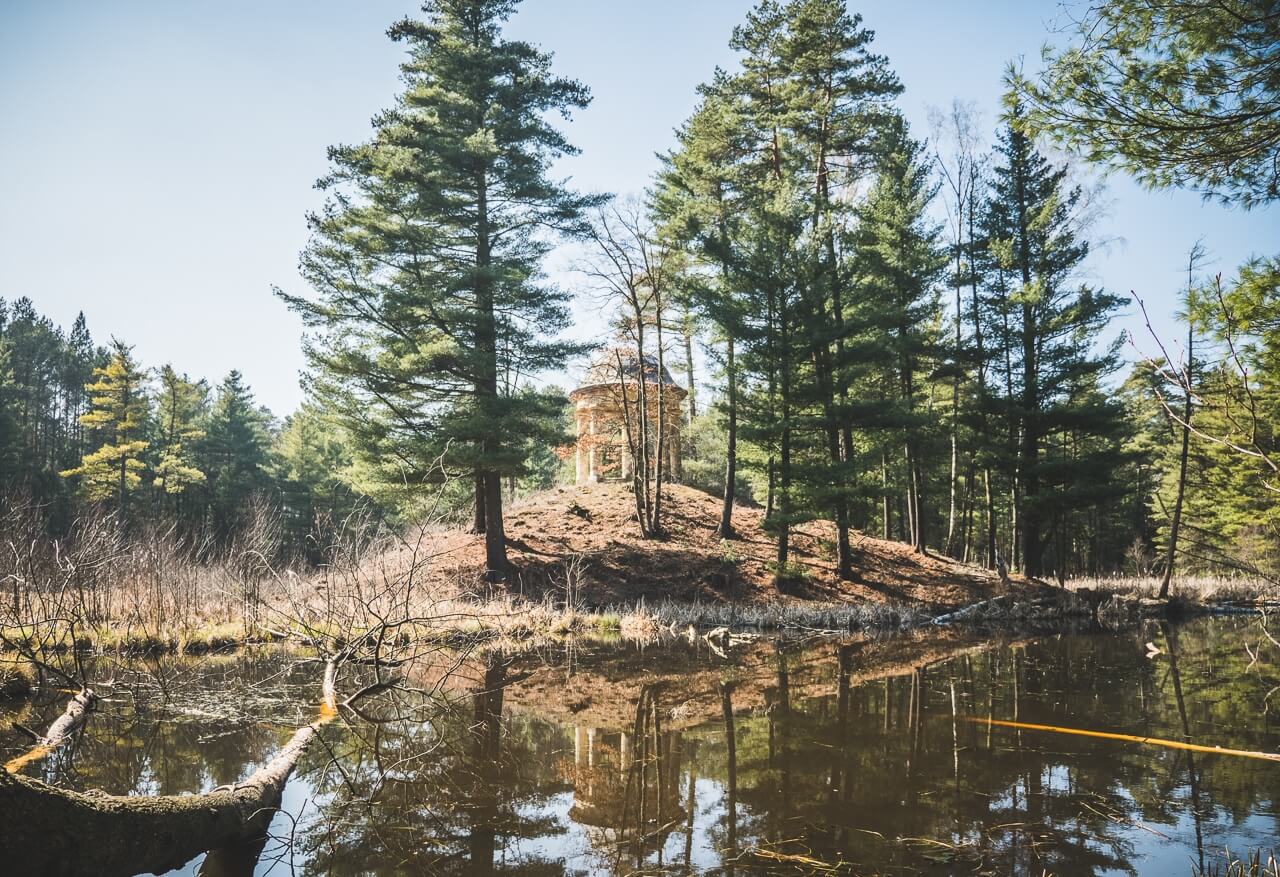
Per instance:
{"type": "Point", "coordinates": [588, 535]}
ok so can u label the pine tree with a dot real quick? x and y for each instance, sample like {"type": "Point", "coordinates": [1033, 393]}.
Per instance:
{"type": "Point", "coordinates": [234, 452]}
{"type": "Point", "coordinates": [10, 437]}
{"type": "Point", "coordinates": [1048, 328]}
{"type": "Point", "coordinates": [698, 202]}
{"type": "Point", "coordinates": [837, 95]}
{"type": "Point", "coordinates": [77, 371]}
{"type": "Point", "coordinates": [311, 462]}
{"type": "Point", "coordinates": [1176, 92]}
{"type": "Point", "coordinates": [35, 350]}
{"type": "Point", "coordinates": [758, 190]}
{"type": "Point", "coordinates": [775, 269]}
{"type": "Point", "coordinates": [117, 420]}
{"type": "Point", "coordinates": [180, 404]}
{"type": "Point", "coordinates": [426, 260]}
{"type": "Point", "coordinates": [899, 256]}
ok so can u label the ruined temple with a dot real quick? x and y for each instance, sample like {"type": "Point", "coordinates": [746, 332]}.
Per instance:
{"type": "Point", "coordinates": [602, 452]}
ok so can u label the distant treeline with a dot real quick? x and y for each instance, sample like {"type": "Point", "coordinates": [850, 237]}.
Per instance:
{"type": "Point", "coordinates": [83, 426]}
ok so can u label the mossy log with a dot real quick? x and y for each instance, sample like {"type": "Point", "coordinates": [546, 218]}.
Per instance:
{"type": "Point", "coordinates": [51, 832]}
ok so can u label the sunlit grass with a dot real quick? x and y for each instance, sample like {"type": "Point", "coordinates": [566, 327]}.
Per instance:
{"type": "Point", "coordinates": [1192, 588]}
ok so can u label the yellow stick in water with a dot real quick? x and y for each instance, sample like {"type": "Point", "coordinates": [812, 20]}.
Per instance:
{"type": "Point", "coordinates": [1128, 738]}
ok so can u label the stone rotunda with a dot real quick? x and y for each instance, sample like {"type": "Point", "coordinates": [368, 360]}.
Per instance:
{"type": "Point", "coordinates": [601, 449]}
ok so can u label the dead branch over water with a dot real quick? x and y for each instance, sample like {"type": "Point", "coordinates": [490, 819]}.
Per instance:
{"type": "Point", "coordinates": [57, 832]}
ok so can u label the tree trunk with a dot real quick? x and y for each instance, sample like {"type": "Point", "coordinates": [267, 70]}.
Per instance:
{"type": "Point", "coordinates": [989, 547]}
{"type": "Point", "coordinates": [784, 504]}
{"type": "Point", "coordinates": [72, 720]}
{"type": "Point", "coordinates": [642, 425]}
{"type": "Point", "coordinates": [1182, 470]}
{"type": "Point", "coordinates": [690, 388]}
{"type": "Point", "coordinates": [478, 523]}
{"type": "Point", "coordinates": [731, 760]}
{"type": "Point", "coordinates": [725, 529]}
{"type": "Point", "coordinates": [886, 501]}
{"type": "Point", "coordinates": [495, 538]}
{"type": "Point", "coordinates": [637, 493]}
{"type": "Point", "coordinates": [655, 524]}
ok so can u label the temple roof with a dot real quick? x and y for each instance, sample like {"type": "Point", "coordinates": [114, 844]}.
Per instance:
{"type": "Point", "coordinates": [604, 371]}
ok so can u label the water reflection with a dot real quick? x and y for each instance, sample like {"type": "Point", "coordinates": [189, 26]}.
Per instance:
{"type": "Point", "coordinates": [875, 756]}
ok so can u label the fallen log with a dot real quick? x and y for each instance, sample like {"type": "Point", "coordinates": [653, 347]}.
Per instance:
{"type": "Point", "coordinates": [52, 832]}
{"type": "Point", "coordinates": [967, 611]}
{"type": "Point", "coordinates": [63, 727]}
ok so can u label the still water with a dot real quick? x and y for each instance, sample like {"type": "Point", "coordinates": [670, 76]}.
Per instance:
{"type": "Point", "coordinates": [872, 757]}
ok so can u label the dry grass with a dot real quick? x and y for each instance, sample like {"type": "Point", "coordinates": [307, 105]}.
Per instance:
{"type": "Point", "coordinates": [1196, 589]}
{"type": "Point", "coordinates": [1252, 865]}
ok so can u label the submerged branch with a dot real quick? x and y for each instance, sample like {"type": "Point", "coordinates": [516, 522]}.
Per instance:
{"type": "Point", "coordinates": [71, 720]}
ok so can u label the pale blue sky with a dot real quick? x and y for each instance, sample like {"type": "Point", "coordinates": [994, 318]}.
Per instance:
{"type": "Point", "coordinates": [157, 158]}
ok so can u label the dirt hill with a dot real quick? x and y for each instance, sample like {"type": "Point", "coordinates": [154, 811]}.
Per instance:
{"type": "Point", "coordinates": [588, 535]}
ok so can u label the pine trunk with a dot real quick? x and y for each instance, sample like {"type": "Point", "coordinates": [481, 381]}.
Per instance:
{"type": "Point", "coordinates": [731, 455]}
{"type": "Point", "coordinates": [1176, 521]}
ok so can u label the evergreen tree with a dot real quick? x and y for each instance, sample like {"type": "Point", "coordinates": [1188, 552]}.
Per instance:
{"type": "Point", "coordinates": [1177, 92]}
{"type": "Point", "coordinates": [117, 421]}
{"type": "Point", "coordinates": [234, 453]}
{"type": "Point", "coordinates": [426, 260]}
{"type": "Point", "coordinates": [758, 189]}
{"type": "Point", "coordinates": [836, 94]}
{"type": "Point", "coordinates": [900, 259]}
{"type": "Point", "coordinates": [10, 437]}
{"type": "Point", "coordinates": [311, 462]}
{"type": "Point", "coordinates": [698, 202]}
{"type": "Point", "coordinates": [77, 371]}
{"type": "Point", "coordinates": [35, 354]}
{"type": "Point", "coordinates": [1047, 328]}
{"type": "Point", "coordinates": [180, 404]}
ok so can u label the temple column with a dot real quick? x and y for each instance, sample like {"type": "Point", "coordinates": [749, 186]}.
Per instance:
{"type": "Point", "coordinates": [579, 457]}
{"type": "Point", "coordinates": [591, 450]}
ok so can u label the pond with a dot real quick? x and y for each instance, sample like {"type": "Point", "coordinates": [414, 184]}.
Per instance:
{"type": "Point", "coordinates": [903, 755]}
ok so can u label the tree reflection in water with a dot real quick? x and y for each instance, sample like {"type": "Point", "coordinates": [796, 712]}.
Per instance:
{"type": "Point", "coordinates": [730, 767]}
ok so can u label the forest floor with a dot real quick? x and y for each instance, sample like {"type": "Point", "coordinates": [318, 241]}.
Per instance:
{"type": "Point", "coordinates": [584, 542]}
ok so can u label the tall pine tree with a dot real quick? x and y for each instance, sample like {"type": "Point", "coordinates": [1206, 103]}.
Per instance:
{"type": "Point", "coordinates": [117, 422]}
{"type": "Point", "coordinates": [899, 259]}
{"type": "Point", "coordinates": [426, 260]}
{"type": "Point", "coordinates": [1048, 328]}
{"type": "Point", "coordinates": [234, 453]}
{"type": "Point", "coordinates": [180, 404]}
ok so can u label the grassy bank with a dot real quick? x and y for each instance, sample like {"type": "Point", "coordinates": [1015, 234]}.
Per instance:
{"type": "Point", "coordinates": [514, 623]}
{"type": "Point", "coordinates": [1193, 590]}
